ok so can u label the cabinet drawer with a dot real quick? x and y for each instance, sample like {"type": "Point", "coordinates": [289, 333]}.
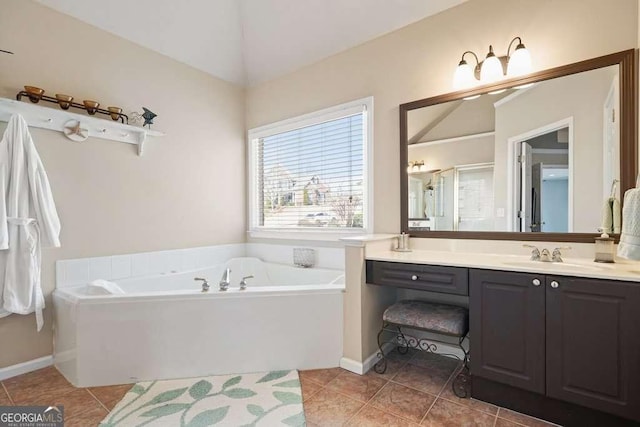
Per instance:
{"type": "Point", "coordinates": [448, 280]}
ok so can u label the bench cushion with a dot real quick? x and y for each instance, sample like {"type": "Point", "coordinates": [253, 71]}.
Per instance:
{"type": "Point", "coordinates": [434, 317]}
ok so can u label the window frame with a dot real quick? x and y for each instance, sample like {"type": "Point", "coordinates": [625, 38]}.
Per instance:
{"type": "Point", "coordinates": [362, 105]}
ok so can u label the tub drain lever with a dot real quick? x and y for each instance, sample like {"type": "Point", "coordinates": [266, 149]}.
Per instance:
{"type": "Point", "coordinates": [205, 284]}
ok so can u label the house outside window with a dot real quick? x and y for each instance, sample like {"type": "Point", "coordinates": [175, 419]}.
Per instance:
{"type": "Point", "coordinates": [311, 174]}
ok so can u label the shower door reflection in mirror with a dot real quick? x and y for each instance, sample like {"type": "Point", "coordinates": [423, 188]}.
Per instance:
{"type": "Point", "coordinates": [544, 158]}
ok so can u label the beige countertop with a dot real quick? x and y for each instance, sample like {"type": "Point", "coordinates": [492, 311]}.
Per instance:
{"type": "Point", "coordinates": [578, 267]}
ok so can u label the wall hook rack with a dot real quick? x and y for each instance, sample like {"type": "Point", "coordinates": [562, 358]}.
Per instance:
{"type": "Point", "coordinates": [115, 116]}
{"type": "Point", "coordinates": [54, 119]}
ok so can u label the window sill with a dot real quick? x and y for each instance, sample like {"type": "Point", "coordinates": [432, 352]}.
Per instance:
{"type": "Point", "coordinates": [323, 236]}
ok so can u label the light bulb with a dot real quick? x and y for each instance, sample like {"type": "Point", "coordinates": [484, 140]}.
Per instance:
{"type": "Point", "coordinates": [491, 70]}
{"type": "Point", "coordinates": [519, 62]}
{"type": "Point", "coordinates": [463, 77]}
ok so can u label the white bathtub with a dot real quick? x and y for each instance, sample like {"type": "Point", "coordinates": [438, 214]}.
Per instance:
{"type": "Point", "coordinates": [163, 326]}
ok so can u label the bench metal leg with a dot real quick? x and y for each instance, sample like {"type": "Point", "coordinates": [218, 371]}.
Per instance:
{"type": "Point", "coordinates": [381, 365]}
{"type": "Point", "coordinates": [461, 384]}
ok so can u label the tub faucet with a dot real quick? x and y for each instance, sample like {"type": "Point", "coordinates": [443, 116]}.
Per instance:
{"type": "Point", "coordinates": [243, 282]}
{"type": "Point", "coordinates": [226, 279]}
{"type": "Point", "coordinates": [205, 284]}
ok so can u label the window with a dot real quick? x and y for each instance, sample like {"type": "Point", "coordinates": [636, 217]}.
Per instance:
{"type": "Point", "coordinates": [310, 173]}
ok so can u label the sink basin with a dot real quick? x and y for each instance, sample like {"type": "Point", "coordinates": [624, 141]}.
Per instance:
{"type": "Point", "coordinates": [556, 266]}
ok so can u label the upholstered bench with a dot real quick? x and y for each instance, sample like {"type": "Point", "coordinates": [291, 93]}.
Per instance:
{"type": "Point", "coordinates": [435, 318]}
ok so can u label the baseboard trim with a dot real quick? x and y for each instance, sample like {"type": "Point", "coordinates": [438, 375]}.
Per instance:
{"type": "Point", "coordinates": [362, 368]}
{"type": "Point", "coordinates": [25, 367]}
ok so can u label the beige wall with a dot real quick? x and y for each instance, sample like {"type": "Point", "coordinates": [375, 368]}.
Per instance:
{"type": "Point", "coordinates": [188, 188]}
{"type": "Point", "coordinates": [417, 62]}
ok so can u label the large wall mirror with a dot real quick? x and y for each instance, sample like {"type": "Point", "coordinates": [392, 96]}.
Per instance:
{"type": "Point", "coordinates": [533, 158]}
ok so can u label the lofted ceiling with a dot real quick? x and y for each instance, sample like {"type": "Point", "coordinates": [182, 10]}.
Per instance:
{"type": "Point", "coordinates": [249, 41]}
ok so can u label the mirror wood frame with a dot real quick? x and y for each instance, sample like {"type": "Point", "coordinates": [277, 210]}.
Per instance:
{"type": "Point", "coordinates": [626, 60]}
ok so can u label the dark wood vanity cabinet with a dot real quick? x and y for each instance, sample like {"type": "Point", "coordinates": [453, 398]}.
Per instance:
{"type": "Point", "coordinates": [506, 317]}
{"type": "Point", "coordinates": [572, 339]}
{"type": "Point", "coordinates": [449, 280]}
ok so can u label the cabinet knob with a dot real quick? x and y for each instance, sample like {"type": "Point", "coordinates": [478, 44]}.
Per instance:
{"type": "Point", "coordinates": [536, 282]}
{"type": "Point", "coordinates": [414, 277]}
{"type": "Point", "coordinates": [555, 284]}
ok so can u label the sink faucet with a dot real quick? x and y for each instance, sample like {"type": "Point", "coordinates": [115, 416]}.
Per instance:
{"type": "Point", "coordinates": [556, 256]}
{"type": "Point", "coordinates": [545, 255]}
{"type": "Point", "coordinates": [225, 280]}
{"type": "Point", "coordinates": [535, 252]}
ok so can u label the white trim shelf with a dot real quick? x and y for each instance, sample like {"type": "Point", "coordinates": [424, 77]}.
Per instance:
{"type": "Point", "coordinates": [52, 119]}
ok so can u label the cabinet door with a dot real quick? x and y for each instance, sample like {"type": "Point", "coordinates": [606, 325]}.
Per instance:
{"type": "Point", "coordinates": [507, 321]}
{"type": "Point", "coordinates": [593, 344]}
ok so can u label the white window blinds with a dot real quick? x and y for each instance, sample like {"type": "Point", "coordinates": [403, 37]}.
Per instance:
{"type": "Point", "coordinates": [312, 177]}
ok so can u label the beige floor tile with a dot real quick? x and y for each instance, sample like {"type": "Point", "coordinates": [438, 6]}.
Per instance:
{"type": "Point", "coordinates": [522, 419]}
{"type": "Point", "coordinates": [393, 366]}
{"type": "Point", "coordinates": [373, 417]}
{"type": "Point", "coordinates": [447, 393]}
{"type": "Point", "coordinates": [359, 387]}
{"type": "Point", "coordinates": [77, 402]}
{"type": "Point", "coordinates": [321, 376]}
{"type": "Point", "coordinates": [89, 418]}
{"type": "Point", "coordinates": [110, 395]}
{"type": "Point", "coordinates": [4, 398]}
{"type": "Point", "coordinates": [403, 401]}
{"type": "Point", "coordinates": [423, 379]}
{"type": "Point", "coordinates": [37, 387]}
{"type": "Point", "coordinates": [309, 388]}
{"type": "Point", "coordinates": [449, 414]}
{"type": "Point", "coordinates": [327, 408]}
{"type": "Point", "coordinates": [501, 422]}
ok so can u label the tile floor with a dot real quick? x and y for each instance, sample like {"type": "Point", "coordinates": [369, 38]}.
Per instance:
{"type": "Point", "coordinates": [415, 390]}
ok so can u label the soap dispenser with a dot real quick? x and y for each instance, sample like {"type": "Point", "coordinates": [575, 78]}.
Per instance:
{"type": "Point", "coordinates": [604, 248]}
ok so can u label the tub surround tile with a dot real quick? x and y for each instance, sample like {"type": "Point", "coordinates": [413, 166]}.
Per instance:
{"type": "Point", "coordinates": [120, 267]}
{"type": "Point", "coordinates": [109, 396]}
{"type": "Point", "coordinates": [403, 401]}
{"type": "Point", "coordinates": [321, 376]}
{"type": "Point", "coordinates": [522, 419]}
{"type": "Point", "coordinates": [76, 271]}
{"type": "Point", "coordinates": [328, 408]}
{"type": "Point", "coordinates": [430, 380]}
{"type": "Point", "coordinates": [100, 268]}
{"type": "Point", "coordinates": [359, 387]}
{"type": "Point", "coordinates": [373, 417]}
{"type": "Point", "coordinates": [449, 414]}
{"type": "Point", "coordinates": [139, 265]}
{"type": "Point", "coordinates": [39, 387]}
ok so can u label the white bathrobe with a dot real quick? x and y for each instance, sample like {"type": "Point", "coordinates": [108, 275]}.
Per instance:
{"type": "Point", "coordinates": [28, 219]}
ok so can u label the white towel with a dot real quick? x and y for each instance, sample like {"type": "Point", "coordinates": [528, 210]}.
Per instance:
{"type": "Point", "coordinates": [611, 216]}
{"type": "Point", "coordinates": [104, 287]}
{"type": "Point", "coordinates": [629, 246]}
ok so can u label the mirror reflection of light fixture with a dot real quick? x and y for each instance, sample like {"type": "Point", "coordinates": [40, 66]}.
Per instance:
{"type": "Point", "coordinates": [417, 166]}
{"type": "Point", "coordinates": [493, 68]}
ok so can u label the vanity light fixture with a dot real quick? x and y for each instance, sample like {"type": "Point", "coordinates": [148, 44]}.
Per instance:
{"type": "Point", "coordinates": [493, 68]}
{"type": "Point", "coordinates": [417, 166]}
